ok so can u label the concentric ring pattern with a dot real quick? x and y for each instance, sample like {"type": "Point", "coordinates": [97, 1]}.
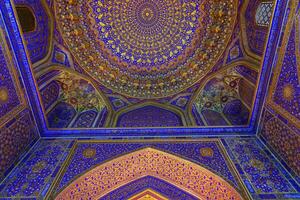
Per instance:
{"type": "Point", "coordinates": [146, 48]}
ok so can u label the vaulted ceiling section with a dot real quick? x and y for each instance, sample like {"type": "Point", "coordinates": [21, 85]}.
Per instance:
{"type": "Point", "coordinates": [146, 63]}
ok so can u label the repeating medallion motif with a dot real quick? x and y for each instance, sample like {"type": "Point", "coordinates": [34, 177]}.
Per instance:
{"type": "Point", "coordinates": [146, 48]}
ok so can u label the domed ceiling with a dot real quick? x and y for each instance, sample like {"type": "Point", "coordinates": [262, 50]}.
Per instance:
{"type": "Point", "coordinates": [148, 63]}
{"type": "Point", "coordinates": [146, 48]}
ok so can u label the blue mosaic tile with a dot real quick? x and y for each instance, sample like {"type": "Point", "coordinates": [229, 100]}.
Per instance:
{"type": "Point", "coordinates": [105, 151]}
{"type": "Point", "coordinates": [262, 173]}
{"type": "Point", "coordinates": [33, 177]}
{"type": "Point", "coordinates": [148, 182]}
{"type": "Point", "coordinates": [37, 40]}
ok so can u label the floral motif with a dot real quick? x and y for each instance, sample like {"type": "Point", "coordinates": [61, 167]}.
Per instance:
{"type": "Point", "coordinates": [217, 92]}
{"type": "Point", "coordinates": [80, 93]}
{"type": "Point", "coordinates": [146, 48]}
{"type": "Point", "coordinates": [104, 178]}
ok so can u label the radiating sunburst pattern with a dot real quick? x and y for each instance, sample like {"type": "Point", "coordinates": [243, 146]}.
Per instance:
{"type": "Point", "coordinates": [146, 48]}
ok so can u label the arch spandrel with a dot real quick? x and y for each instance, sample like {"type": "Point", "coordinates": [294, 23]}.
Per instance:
{"type": "Point", "coordinates": [184, 174]}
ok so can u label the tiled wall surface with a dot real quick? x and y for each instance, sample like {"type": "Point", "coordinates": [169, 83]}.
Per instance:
{"type": "Point", "coordinates": [17, 127]}
{"type": "Point", "coordinates": [280, 123]}
{"type": "Point", "coordinates": [245, 163]}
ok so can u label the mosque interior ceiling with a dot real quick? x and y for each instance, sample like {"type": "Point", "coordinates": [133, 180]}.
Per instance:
{"type": "Point", "coordinates": [149, 99]}
{"type": "Point", "coordinates": [144, 63]}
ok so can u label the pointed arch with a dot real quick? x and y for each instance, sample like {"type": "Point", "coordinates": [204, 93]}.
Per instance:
{"type": "Point", "coordinates": [166, 108]}
{"type": "Point", "coordinates": [70, 76]}
{"type": "Point", "coordinates": [177, 171]}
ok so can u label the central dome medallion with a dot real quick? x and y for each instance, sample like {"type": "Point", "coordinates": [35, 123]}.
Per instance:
{"type": "Point", "coordinates": [146, 48]}
{"type": "Point", "coordinates": [145, 33]}
{"type": "Point", "coordinates": [146, 14]}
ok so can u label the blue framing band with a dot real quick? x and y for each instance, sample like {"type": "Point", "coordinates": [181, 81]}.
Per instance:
{"type": "Point", "coordinates": [269, 58]}
{"type": "Point", "coordinates": [22, 61]}
{"type": "Point", "coordinates": [17, 43]}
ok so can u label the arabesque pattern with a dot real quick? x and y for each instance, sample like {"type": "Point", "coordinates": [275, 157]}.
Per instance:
{"type": "Point", "coordinates": [193, 178]}
{"type": "Point", "coordinates": [146, 48]}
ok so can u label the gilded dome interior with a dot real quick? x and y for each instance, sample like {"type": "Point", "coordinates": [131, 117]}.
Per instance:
{"type": "Point", "coordinates": [147, 63]}
{"type": "Point", "coordinates": [145, 48]}
{"type": "Point", "coordinates": [150, 99]}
